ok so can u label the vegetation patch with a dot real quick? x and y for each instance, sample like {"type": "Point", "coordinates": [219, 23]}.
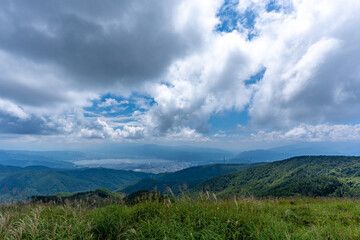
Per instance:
{"type": "Point", "coordinates": [185, 218]}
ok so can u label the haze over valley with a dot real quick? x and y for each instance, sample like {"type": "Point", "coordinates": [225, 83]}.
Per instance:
{"type": "Point", "coordinates": [157, 159]}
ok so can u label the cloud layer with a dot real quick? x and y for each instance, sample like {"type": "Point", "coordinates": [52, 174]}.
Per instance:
{"type": "Point", "coordinates": [167, 66]}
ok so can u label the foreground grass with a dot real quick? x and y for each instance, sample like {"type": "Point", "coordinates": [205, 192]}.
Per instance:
{"type": "Point", "coordinates": [302, 218]}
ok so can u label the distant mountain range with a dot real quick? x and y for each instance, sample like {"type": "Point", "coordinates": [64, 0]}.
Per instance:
{"type": "Point", "coordinates": [68, 159]}
{"type": "Point", "coordinates": [166, 158]}
{"type": "Point", "coordinates": [175, 153]}
{"type": "Point", "coordinates": [305, 175]}
{"type": "Point", "coordinates": [283, 152]}
{"type": "Point", "coordinates": [53, 159]}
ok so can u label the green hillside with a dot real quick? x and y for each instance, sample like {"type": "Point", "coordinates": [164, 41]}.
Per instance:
{"type": "Point", "coordinates": [184, 179]}
{"type": "Point", "coordinates": [307, 175]}
{"type": "Point", "coordinates": [43, 181]}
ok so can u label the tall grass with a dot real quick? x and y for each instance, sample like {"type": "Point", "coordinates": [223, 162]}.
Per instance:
{"type": "Point", "coordinates": [186, 218]}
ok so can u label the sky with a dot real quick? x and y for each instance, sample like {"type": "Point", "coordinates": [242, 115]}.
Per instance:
{"type": "Point", "coordinates": [231, 74]}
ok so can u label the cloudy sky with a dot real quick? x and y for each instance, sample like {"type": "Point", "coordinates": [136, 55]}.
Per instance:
{"type": "Point", "coordinates": [243, 73]}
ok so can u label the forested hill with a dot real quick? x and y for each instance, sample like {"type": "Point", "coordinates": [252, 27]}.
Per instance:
{"type": "Point", "coordinates": [39, 180]}
{"type": "Point", "coordinates": [305, 175]}
{"type": "Point", "coordinates": [186, 178]}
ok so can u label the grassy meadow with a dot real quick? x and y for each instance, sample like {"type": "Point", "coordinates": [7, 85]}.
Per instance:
{"type": "Point", "coordinates": [185, 218]}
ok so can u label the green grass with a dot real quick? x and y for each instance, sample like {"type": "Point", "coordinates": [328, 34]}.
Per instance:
{"type": "Point", "coordinates": [184, 218]}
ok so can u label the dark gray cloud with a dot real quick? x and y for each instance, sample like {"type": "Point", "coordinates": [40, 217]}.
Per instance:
{"type": "Point", "coordinates": [95, 42]}
{"type": "Point", "coordinates": [30, 95]}
{"type": "Point", "coordinates": [32, 125]}
{"type": "Point", "coordinates": [333, 93]}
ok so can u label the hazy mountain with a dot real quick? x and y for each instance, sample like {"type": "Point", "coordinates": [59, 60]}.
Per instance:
{"type": "Point", "coordinates": [301, 149]}
{"type": "Point", "coordinates": [260, 155]}
{"type": "Point", "coordinates": [156, 158]}
{"type": "Point", "coordinates": [53, 159]}
{"type": "Point", "coordinates": [153, 158]}
{"type": "Point", "coordinates": [177, 153]}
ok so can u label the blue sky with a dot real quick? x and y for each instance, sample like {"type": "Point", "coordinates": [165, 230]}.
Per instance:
{"type": "Point", "coordinates": [233, 74]}
{"type": "Point", "coordinates": [109, 105]}
{"type": "Point", "coordinates": [231, 19]}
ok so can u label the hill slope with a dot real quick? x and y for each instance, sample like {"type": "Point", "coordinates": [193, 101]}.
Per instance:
{"type": "Point", "coordinates": [306, 175]}
{"type": "Point", "coordinates": [42, 181]}
{"type": "Point", "coordinates": [187, 178]}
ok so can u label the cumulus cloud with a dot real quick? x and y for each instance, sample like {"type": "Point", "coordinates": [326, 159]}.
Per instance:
{"type": "Point", "coordinates": [304, 47]}
{"type": "Point", "coordinates": [101, 130]}
{"type": "Point", "coordinates": [311, 62]}
{"type": "Point", "coordinates": [209, 82]}
{"type": "Point", "coordinates": [58, 57]}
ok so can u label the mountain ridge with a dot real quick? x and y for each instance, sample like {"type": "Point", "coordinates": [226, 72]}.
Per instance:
{"type": "Point", "coordinates": [291, 177]}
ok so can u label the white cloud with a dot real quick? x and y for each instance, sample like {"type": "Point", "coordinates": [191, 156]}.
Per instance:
{"type": "Point", "coordinates": [208, 82]}
{"type": "Point", "coordinates": [308, 61]}
{"type": "Point", "coordinates": [52, 67]}
{"type": "Point", "coordinates": [304, 76]}
{"type": "Point", "coordinates": [10, 108]}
